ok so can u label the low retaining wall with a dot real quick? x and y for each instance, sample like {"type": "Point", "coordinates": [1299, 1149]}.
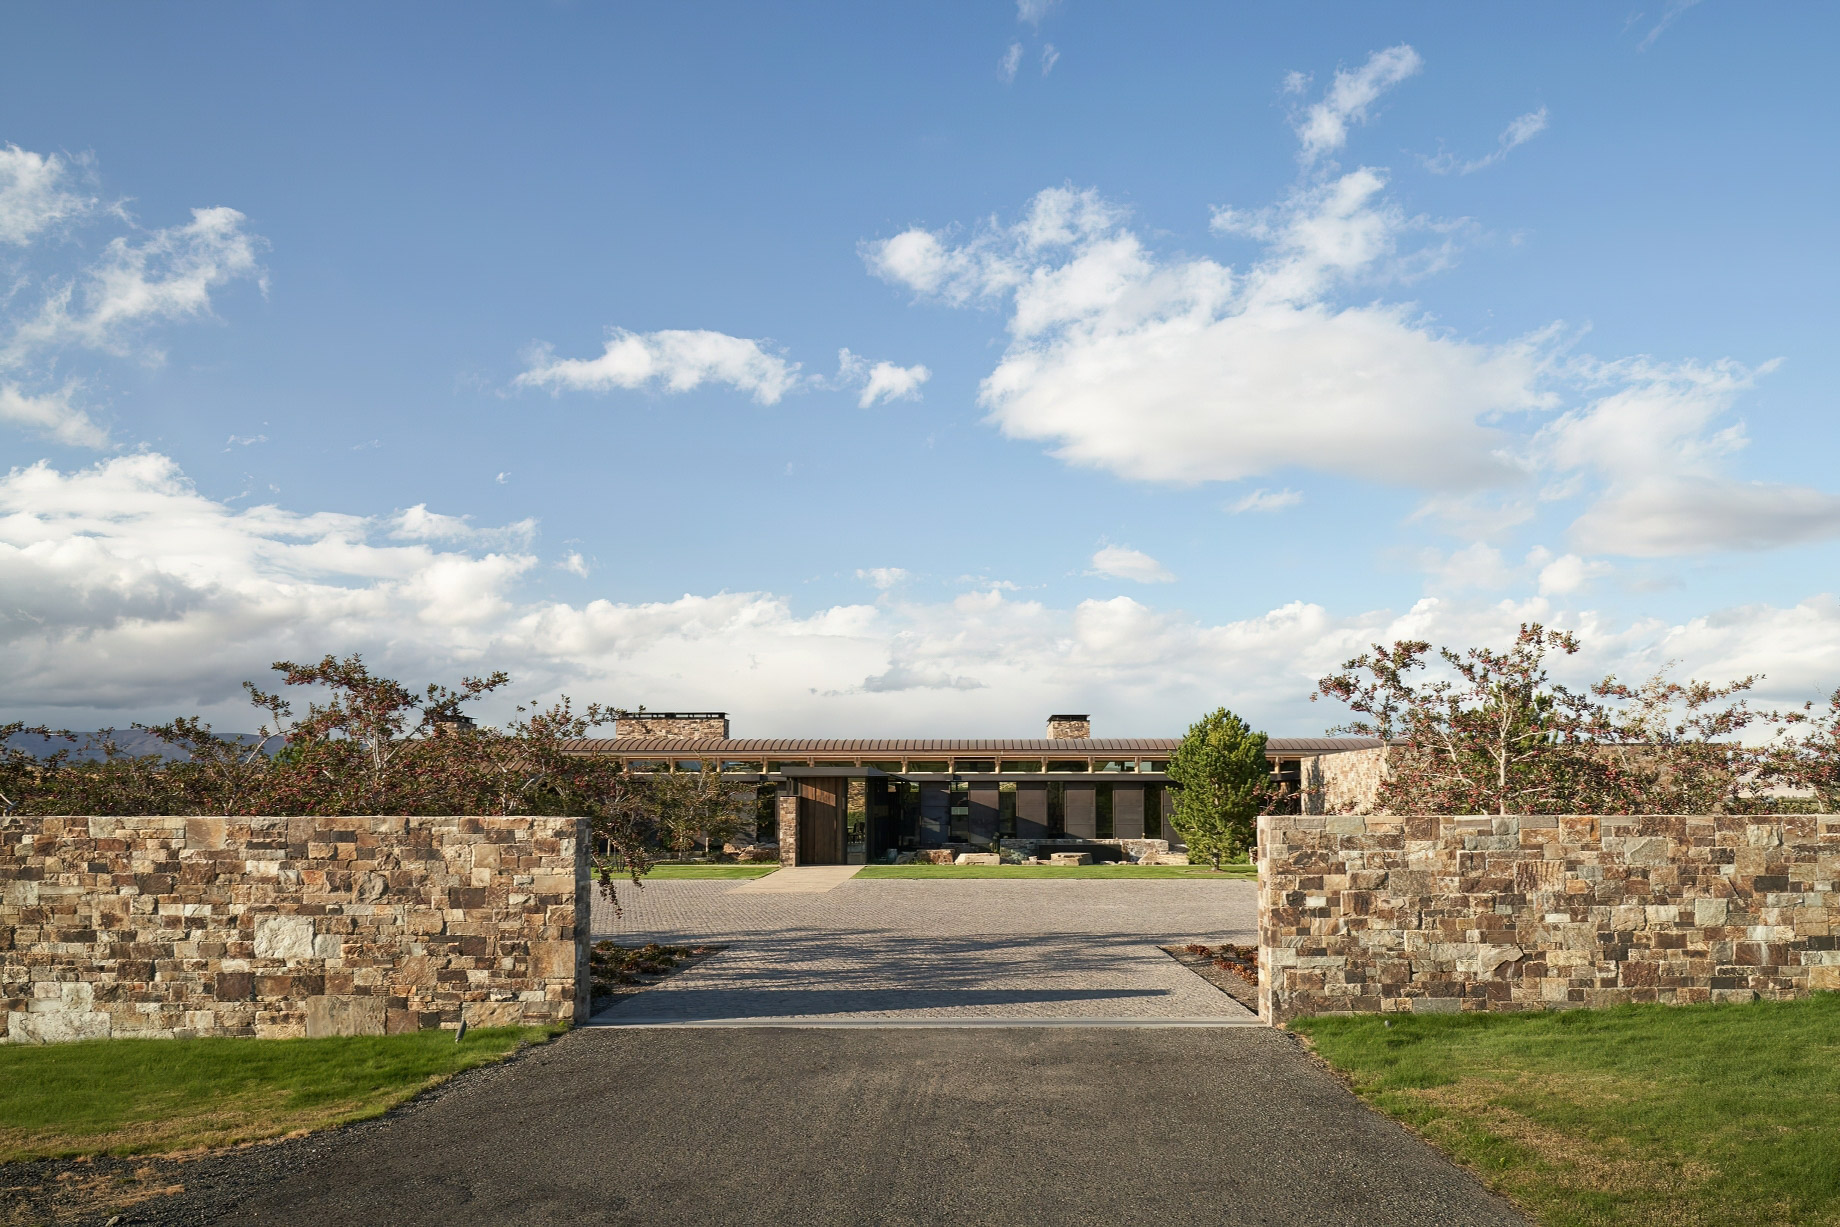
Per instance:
{"type": "Point", "coordinates": [289, 926]}
{"type": "Point", "coordinates": [1428, 914]}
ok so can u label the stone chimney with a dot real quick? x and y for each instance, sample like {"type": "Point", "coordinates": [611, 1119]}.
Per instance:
{"type": "Point", "coordinates": [1075, 728]}
{"type": "Point", "coordinates": [674, 725]}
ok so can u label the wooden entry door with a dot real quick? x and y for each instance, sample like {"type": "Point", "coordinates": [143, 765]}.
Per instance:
{"type": "Point", "coordinates": [821, 803]}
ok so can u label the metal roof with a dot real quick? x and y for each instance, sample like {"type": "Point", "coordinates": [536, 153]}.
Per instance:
{"type": "Point", "coordinates": [1073, 746]}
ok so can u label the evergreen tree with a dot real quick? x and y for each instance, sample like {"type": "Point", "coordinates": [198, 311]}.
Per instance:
{"type": "Point", "coordinates": [1225, 779]}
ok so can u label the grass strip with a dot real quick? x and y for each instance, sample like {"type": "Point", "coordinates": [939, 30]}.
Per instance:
{"type": "Point", "coordinates": [1047, 872]}
{"type": "Point", "coordinates": [691, 873]}
{"type": "Point", "coordinates": [147, 1096]}
{"type": "Point", "coordinates": [1677, 1115]}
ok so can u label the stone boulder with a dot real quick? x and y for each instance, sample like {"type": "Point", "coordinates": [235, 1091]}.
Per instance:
{"type": "Point", "coordinates": [1070, 858]}
{"type": "Point", "coordinates": [977, 858]}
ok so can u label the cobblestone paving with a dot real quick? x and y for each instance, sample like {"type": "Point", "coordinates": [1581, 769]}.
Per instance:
{"type": "Point", "coordinates": [915, 950]}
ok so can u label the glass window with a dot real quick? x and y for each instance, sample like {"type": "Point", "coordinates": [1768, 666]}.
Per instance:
{"type": "Point", "coordinates": [974, 764]}
{"type": "Point", "coordinates": [1057, 810]}
{"type": "Point", "coordinates": [1022, 764]}
{"type": "Point", "coordinates": [891, 766]}
{"type": "Point", "coordinates": [1153, 811]}
{"type": "Point", "coordinates": [689, 764]}
{"type": "Point", "coordinates": [1102, 811]}
{"type": "Point", "coordinates": [740, 765]}
{"type": "Point", "coordinates": [1006, 810]}
{"type": "Point", "coordinates": [782, 764]}
{"type": "Point", "coordinates": [1154, 764]}
{"type": "Point", "coordinates": [927, 764]}
{"type": "Point", "coordinates": [1069, 764]}
{"type": "Point", "coordinates": [960, 828]}
{"type": "Point", "coordinates": [647, 764]}
{"type": "Point", "coordinates": [1117, 764]}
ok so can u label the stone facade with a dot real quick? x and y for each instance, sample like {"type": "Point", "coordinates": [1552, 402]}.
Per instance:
{"type": "Point", "coordinates": [163, 926]}
{"type": "Point", "coordinates": [1075, 728]}
{"type": "Point", "coordinates": [1427, 914]}
{"type": "Point", "coordinates": [676, 726]}
{"type": "Point", "coordinates": [1346, 782]}
{"type": "Point", "coordinates": [788, 830]}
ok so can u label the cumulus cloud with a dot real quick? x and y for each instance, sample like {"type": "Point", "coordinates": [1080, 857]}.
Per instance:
{"type": "Point", "coordinates": [676, 360]}
{"type": "Point", "coordinates": [140, 279]}
{"type": "Point", "coordinates": [1265, 500]}
{"type": "Point", "coordinates": [51, 414]}
{"type": "Point", "coordinates": [1121, 562]}
{"type": "Point", "coordinates": [882, 577]}
{"type": "Point", "coordinates": [1568, 573]}
{"type": "Point", "coordinates": [574, 564]}
{"type": "Point", "coordinates": [418, 523]}
{"type": "Point", "coordinates": [130, 594]}
{"type": "Point", "coordinates": [879, 382]}
{"type": "Point", "coordinates": [1323, 127]}
{"type": "Point", "coordinates": [37, 194]}
{"type": "Point", "coordinates": [1180, 369]}
{"type": "Point", "coordinates": [1177, 370]}
{"type": "Point", "coordinates": [167, 275]}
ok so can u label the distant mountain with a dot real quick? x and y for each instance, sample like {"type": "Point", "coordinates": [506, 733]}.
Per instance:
{"type": "Point", "coordinates": [88, 746]}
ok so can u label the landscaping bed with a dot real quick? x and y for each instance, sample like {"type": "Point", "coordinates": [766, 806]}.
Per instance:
{"type": "Point", "coordinates": [620, 971]}
{"type": "Point", "coordinates": [1716, 1114]}
{"type": "Point", "coordinates": [1234, 970]}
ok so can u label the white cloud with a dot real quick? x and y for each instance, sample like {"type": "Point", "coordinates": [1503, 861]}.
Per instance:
{"type": "Point", "coordinates": [1006, 67]}
{"type": "Point", "coordinates": [574, 564]}
{"type": "Point", "coordinates": [1266, 500]}
{"type": "Point", "coordinates": [1120, 562]}
{"type": "Point", "coordinates": [1049, 58]}
{"type": "Point", "coordinates": [1523, 129]}
{"type": "Point", "coordinates": [130, 595]}
{"type": "Point", "coordinates": [1695, 514]}
{"type": "Point", "coordinates": [882, 577]}
{"type": "Point", "coordinates": [1182, 370]}
{"type": "Point", "coordinates": [1176, 370]}
{"type": "Point", "coordinates": [168, 275]}
{"type": "Point", "coordinates": [420, 524]}
{"type": "Point", "coordinates": [1674, 9]}
{"type": "Point", "coordinates": [678, 360]}
{"type": "Point", "coordinates": [1569, 573]}
{"type": "Point", "coordinates": [1034, 11]}
{"type": "Point", "coordinates": [51, 414]}
{"type": "Point", "coordinates": [36, 195]}
{"type": "Point", "coordinates": [880, 382]}
{"type": "Point", "coordinates": [1323, 128]}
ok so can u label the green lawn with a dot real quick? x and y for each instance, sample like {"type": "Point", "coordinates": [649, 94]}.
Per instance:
{"type": "Point", "coordinates": [154, 1096]}
{"type": "Point", "coordinates": [1677, 1115]}
{"type": "Point", "coordinates": [686, 873]}
{"type": "Point", "coordinates": [1043, 872]}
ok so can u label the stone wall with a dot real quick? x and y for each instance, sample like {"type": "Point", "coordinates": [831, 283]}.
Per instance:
{"type": "Point", "coordinates": [1427, 914]}
{"type": "Point", "coordinates": [698, 726]}
{"type": "Point", "coordinates": [1070, 728]}
{"type": "Point", "coordinates": [1346, 782]}
{"type": "Point", "coordinates": [166, 926]}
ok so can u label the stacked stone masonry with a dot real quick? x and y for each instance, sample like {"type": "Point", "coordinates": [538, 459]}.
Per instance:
{"type": "Point", "coordinates": [164, 926]}
{"type": "Point", "coordinates": [713, 727]}
{"type": "Point", "coordinates": [1381, 913]}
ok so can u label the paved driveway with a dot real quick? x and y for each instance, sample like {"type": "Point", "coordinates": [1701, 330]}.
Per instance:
{"type": "Point", "coordinates": [881, 951]}
{"type": "Point", "coordinates": [1017, 1125]}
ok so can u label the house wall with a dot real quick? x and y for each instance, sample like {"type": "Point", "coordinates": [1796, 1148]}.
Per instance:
{"type": "Point", "coordinates": [1439, 914]}
{"type": "Point", "coordinates": [1346, 782]}
{"type": "Point", "coordinates": [165, 926]}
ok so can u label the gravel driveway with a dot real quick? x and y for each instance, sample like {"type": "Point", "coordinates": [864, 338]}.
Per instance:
{"type": "Point", "coordinates": [955, 949]}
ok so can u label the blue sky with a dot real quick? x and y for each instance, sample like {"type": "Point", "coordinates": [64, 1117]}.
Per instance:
{"type": "Point", "coordinates": [1190, 348]}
